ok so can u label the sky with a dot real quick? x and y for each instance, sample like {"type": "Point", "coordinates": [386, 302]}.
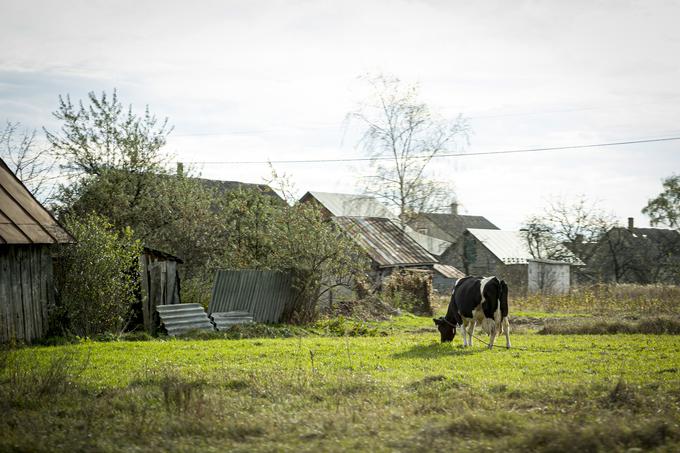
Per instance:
{"type": "Point", "coordinates": [274, 80]}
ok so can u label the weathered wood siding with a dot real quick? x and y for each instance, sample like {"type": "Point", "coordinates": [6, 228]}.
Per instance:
{"type": "Point", "coordinates": [26, 291]}
{"type": "Point", "coordinates": [160, 286]}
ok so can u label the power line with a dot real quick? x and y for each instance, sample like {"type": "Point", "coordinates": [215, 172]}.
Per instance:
{"type": "Point", "coordinates": [482, 153]}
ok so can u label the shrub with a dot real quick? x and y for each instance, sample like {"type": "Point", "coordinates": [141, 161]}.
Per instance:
{"type": "Point", "coordinates": [96, 277]}
{"type": "Point", "coordinates": [411, 291]}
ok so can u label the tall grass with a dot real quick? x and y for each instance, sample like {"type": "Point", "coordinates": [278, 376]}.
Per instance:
{"type": "Point", "coordinates": [619, 299]}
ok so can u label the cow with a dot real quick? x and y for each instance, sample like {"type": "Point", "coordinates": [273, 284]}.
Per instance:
{"type": "Point", "coordinates": [475, 300]}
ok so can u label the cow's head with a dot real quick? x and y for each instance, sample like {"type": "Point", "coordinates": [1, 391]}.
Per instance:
{"type": "Point", "coordinates": [446, 329]}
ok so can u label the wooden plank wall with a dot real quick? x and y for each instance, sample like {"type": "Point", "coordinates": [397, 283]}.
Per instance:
{"type": "Point", "coordinates": [26, 291]}
{"type": "Point", "coordinates": [160, 286]}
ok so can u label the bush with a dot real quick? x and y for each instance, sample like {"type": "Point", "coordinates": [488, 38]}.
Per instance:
{"type": "Point", "coordinates": [411, 291]}
{"type": "Point", "coordinates": [96, 277]}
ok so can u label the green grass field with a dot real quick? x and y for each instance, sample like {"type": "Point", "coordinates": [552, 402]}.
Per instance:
{"type": "Point", "coordinates": [396, 390]}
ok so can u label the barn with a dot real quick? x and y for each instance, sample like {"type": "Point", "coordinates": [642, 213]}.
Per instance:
{"type": "Point", "coordinates": [27, 233]}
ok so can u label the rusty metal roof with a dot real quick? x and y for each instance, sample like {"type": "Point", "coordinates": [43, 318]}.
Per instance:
{"type": "Point", "coordinates": [449, 271]}
{"type": "Point", "coordinates": [385, 242]}
{"type": "Point", "coordinates": [23, 220]}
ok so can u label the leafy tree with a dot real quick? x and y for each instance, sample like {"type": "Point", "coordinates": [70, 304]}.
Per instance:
{"type": "Point", "coordinates": [97, 277]}
{"type": "Point", "coordinates": [118, 164]}
{"type": "Point", "coordinates": [105, 135]}
{"type": "Point", "coordinates": [665, 208]}
{"type": "Point", "coordinates": [404, 135]}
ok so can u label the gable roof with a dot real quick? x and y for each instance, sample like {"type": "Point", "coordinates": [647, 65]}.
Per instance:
{"type": "Point", "coordinates": [454, 225]}
{"type": "Point", "coordinates": [432, 244]}
{"type": "Point", "coordinates": [383, 240]}
{"type": "Point", "coordinates": [223, 187]}
{"type": "Point", "coordinates": [350, 205]}
{"type": "Point", "coordinates": [511, 246]}
{"type": "Point", "coordinates": [449, 271]}
{"type": "Point", "coordinates": [23, 219]}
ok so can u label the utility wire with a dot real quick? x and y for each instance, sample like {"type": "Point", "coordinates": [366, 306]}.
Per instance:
{"type": "Point", "coordinates": [482, 153]}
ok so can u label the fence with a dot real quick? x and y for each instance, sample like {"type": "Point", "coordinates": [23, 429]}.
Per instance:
{"type": "Point", "coordinates": [264, 294]}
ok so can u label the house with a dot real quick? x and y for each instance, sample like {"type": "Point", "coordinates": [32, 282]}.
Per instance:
{"type": "Point", "coordinates": [389, 244]}
{"type": "Point", "coordinates": [637, 255]}
{"type": "Point", "coordinates": [506, 254]}
{"type": "Point", "coordinates": [27, 233]}
{"type": "Point", "coordinates": [347, 205]}
{"type": "Point", "coordinates": [224, 187]}
{"type": "Point", "coordinates": [448, 227]}
{"type": "Point", "coordinates": [386, 244]}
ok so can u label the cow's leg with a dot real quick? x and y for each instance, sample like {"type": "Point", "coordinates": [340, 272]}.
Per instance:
{"type": "Point", "coordinates": [464, 329]}
{"type": "Point", "coordinates": [506, 329]}
{"type": "Point", "coordinates": [473, 324]}
{"type": "Point", "coordinates": [492, 336]}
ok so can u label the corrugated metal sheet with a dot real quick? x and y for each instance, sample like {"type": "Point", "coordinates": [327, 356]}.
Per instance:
{"type": "Point", "coordinates": [449, 271]}
{"type": "Point", "coordinates": [224, 320]}
{"type": "Point", "coordinates": [385, 242]}
{"type": "Point", "coordinates": [351, 205]}
{"type": "Point", "coordinates": [23, 220]}
{"type": "Point", "coordinates": [511, 246]}
{"type": "Point", "coordinates": [181, 318]}
{"type": "Point", "coordinates": [265, 294]}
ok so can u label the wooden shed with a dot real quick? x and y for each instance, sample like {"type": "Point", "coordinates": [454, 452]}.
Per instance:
{"type": "Point", "coordinates": [159, 283]}
{"type": "Point", "coordinates": [27, 233]}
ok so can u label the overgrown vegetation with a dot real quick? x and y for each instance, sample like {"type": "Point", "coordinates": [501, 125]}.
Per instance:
{"type": "Point", "coordinates": [608, 299]}
{"type": "Point", "coordinates": [97, 278]}
{"type": "Point", "coordinates": [410, 291]}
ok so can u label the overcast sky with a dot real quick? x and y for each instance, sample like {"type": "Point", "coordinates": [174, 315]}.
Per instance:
{"type": "Point", "coordinates": [261, 80]}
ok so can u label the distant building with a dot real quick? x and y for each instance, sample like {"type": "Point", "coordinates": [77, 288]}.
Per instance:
{"type": "Point", "coordinates": [224, 187]}
{"type": "Point", "coordinates": [448, 227]}
{"type": "Point", "coordinates": [506, 254]}
{"type": "Point", "coordinates": [636, 255]}
{"type": "Point", "coordinates": [347, 205]}
{"type": "Point", "coordinates": [386, 244]}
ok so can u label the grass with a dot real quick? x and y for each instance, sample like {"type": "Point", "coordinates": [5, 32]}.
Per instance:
{"type": "Point", "coordinates": [403, 391]}
{"type": "Point", "coordinates": [574, 381]}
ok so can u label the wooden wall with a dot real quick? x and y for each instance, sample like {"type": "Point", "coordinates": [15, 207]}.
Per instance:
{"type": "Point", "coordinates": [26, 291]}
{"type": "Point", "coordinates": [160, 286]}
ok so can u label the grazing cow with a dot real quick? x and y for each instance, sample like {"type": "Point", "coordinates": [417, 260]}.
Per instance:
{"type": "Point", "coordinates": [475, 300]}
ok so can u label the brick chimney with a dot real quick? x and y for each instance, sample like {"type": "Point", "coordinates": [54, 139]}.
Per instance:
{"type": "Point", "coordinates": [631, 224]}
{"type": "Point", "coordinates": [454, 208]}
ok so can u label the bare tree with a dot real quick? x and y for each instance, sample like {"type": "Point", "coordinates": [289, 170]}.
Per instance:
{"type": "Point", "coordinates": [578, 225]}
{"type": "Point", "coordinates": [31, 164]}
{"type": "Point", "coordinates": [403, 136]}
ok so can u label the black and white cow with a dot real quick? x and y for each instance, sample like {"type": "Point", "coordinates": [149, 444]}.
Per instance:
{"type": "Point", "coordinates": [475, 300]}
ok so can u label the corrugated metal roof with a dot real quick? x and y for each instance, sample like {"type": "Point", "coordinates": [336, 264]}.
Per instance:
{"type": "Point", "coordinates": [265, 294]}
{"type": "Point", "coordinates": [23, 220]}
{"type": "Point", "coordinates": [433, 245]}
{"type": "Point", "coordinates": [385, 242]}
{"type": "Point", "coordinates": [351, 205]}
{"type": "Point", "coordinates": [511, 246]}
{"type": "Point", "coordinates": [449, 271]}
